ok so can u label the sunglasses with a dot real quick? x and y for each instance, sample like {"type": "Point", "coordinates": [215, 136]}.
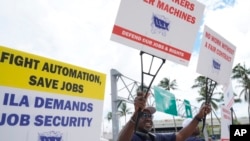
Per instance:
{"type": "Point", "coordinates": [145, 115]}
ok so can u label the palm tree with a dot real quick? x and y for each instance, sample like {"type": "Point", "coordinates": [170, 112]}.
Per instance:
{"type": "Point", "coordinates": [167, 84]}
{"type": "Point", "coordinates": [202, 83]}
{"type": "Point", "coordinates": [213, 101]}
{"type": "Point", "coordinates": [199, 82]}
{"type": "Point", "coordinates": [241, 73]}
{"type": "Point", "coordinates": [236, 99]}
{"type": "Point", "coordinates": [124, 110]}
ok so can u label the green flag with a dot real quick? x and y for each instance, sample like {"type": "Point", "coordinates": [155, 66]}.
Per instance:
{"type": "Point", "coordinates": [165, 101]}
{"type": "Point", "coordinates": [188, 109]}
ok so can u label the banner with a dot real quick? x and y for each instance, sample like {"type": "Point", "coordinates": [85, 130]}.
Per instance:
{"type": "Point", "coordinates": [165, 101]}
{"type": "Point", "coordinates": [226, 118]}
{"type": "Point", "coordinates": [226, 121]}
{"type": "Point", "coordinates": [164, 28]}
{"type": "Point", "coordinates": [229, 95]}
{"type": "Point", "coordinates": [216, 57]}
{"type": "Point", "coordinates": [47, 100]}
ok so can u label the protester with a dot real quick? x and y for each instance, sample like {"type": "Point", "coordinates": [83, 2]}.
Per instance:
{"type": "Point", "coordinates": [145, 124]}
{"type": "Point", "coordinates": [195, 135]}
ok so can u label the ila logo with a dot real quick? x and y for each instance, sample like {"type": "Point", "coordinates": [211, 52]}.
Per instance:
{"type": "Point", "coordinates": [160, 25]}
{"type": "Point", "coordinates": [50, 136]}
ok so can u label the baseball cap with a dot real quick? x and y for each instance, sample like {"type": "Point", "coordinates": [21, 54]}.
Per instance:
{"type": "Point", "coordinates": [151, 109]}
{"type": "Point", "coordinates": [186, 122]}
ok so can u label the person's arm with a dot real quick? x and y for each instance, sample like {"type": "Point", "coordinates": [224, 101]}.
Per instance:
{"type": "Point", "coordinates": [187, 131]}
{"type": "Point", "coordinates": [128, 130]}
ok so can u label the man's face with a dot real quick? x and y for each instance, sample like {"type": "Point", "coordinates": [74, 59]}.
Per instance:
{"type": "Point", "coordinates": [145, 122]}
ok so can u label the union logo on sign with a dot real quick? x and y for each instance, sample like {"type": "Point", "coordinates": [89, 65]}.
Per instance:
{"type": "Point", "coordinates": [160, 25]}
{"type": "Point", "coordinates": [50, 136]}
{"type": "Point", "coordinates": [216, 65]}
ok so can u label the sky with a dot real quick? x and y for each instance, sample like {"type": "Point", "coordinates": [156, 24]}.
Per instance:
{"type": "Point", "coordinates": [78, 32]}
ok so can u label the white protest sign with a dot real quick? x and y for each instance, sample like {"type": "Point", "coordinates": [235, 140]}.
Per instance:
{"type": "Point", "coordinates": [228, 95]}
{"type": "Point", "coordinates": [226, 121]}
{"type": "Point", "coordinates": [164, 28]}
{"type": "Point", "coordinates": [226, 118]}
{"type": "Point", "coordinates": [216, 57]}
{"type": "Point", "coordinates": [46, 100]}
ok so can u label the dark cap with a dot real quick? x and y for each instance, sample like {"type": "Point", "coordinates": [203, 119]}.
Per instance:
{"type": "Point", "coordinates": [151, 109]}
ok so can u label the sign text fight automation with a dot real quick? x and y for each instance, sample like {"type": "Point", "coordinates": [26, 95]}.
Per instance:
{"type": "Point", "coordinates": [31, 63]}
